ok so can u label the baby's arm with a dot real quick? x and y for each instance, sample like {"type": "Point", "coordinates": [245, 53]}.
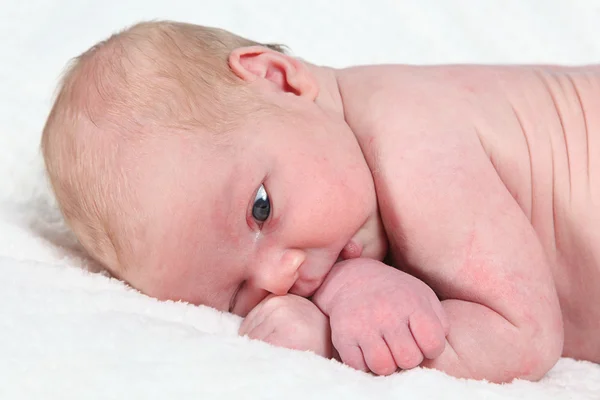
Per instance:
{"type": "Point", "coordinates": [465, 236]}
{"type": "Point", "coordinates": [381, 318]}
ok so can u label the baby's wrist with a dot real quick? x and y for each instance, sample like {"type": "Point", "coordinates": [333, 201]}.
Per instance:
{"type": "Point", "coordinates": [342, 275]}
{"type": "Point", "coordinates": [326, 293]}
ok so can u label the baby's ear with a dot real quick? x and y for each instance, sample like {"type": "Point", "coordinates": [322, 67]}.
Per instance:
{"type": "Point", "coordinates": [283, 72]}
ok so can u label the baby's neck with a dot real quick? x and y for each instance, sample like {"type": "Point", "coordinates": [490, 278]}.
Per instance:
{"type": "Point", "coordinates": [329, 97]}
{"type": "Point", "coordinates": [338, 85]}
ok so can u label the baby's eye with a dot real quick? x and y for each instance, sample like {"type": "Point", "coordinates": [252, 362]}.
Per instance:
{"type": "Point", "coordinates": [261, 207]}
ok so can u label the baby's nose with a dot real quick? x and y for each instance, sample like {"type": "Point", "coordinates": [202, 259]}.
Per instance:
{"type": "Point", "coordinates": [291, 261]}
{"type": "Point", "coordinates": [280, 277]}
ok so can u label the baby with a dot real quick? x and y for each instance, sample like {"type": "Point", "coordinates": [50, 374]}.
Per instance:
{"type": "Point", "coordinates": [200, 166]}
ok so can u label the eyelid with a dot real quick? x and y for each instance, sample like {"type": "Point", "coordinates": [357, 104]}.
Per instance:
{"type": "Point", "coordinates": [233, 300]}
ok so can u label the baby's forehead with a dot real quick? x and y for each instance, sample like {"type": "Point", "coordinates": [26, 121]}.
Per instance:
{"type": "Point", "coordinates": [194, 202]}
{"type": "Point", "coordinates": [196, 189]}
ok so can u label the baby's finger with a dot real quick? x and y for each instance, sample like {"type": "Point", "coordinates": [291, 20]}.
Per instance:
{"type": "Point", "coordinates": [439, 311]}
{"type": "Point", "coordinates": [402, 345]}
{"type": "Point", "coordinates": [352, 356]}
{"type": "Point", "coordinates": [276, 339]}
{"type": "Point", "coordinates": [262, 331]}
{"type": "Point", "coordinates": [378, 357]}
{"type": "Point", "coordinates": [248, 324]}
{"type": "Point", "coordinates": [428, 333]}
{"type": "Point", "coordinates": [254, 318]}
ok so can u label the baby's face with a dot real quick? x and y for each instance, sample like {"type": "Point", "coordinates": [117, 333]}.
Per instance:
{"type": "Point", "coordinates": [268, 210]}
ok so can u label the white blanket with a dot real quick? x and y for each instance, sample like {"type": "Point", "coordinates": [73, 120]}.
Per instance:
{"type": "Point", "coordinates": [67, 332]}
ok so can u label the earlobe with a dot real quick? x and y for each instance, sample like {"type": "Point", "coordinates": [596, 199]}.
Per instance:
{"type": "Point", "coordinates": [280, 71]}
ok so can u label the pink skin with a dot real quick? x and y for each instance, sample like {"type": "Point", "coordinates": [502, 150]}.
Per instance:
{"type": "Point", "coordinates": [472, 205]}
{"type": "Point", "coordinates": [487, 186]}
{"type": "Point", "coordinates": [486, 183]}
{"type": "Point", "coordinates": [289, 321]}
{"type": "Point", "coordinates": [394, 321]}
{"type": "Point", "coordinates": [323, 203]}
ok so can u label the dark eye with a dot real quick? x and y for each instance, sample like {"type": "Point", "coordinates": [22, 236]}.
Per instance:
{"type": "Point", "coordinates": [261, 207]}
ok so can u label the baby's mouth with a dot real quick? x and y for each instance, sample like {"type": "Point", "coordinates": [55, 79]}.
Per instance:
{"type": "Point", "coordinates": [306, 288]}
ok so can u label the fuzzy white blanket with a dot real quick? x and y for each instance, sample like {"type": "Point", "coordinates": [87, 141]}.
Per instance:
{"type": "Point", "coordinates": [70, 332]}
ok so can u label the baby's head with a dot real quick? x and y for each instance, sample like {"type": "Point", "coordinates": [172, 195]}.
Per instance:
{"type": "Point", "coordinates": [200, 166]}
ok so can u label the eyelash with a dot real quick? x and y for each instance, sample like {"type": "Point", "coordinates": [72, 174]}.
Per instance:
{"type": "Point", "coordinates": [235, 295]}
{"type": "Point", "coordinates": [260, 224]}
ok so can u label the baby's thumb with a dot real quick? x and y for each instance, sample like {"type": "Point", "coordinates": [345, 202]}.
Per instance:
{"type": "Point", "coordinates": [439, 311]}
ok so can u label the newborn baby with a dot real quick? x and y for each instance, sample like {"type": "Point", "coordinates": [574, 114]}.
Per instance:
{"type": "Point", "coordinates": [200, 166]}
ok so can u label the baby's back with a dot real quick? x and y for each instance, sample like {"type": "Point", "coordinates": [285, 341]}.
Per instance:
{"type": "Point", "coordinates": [544, 141]}
{"type": "Point", "coordinates": [540, 127]}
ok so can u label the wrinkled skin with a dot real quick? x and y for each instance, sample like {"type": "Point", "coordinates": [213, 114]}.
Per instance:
{"type": "Point", "coordinates": [394, 321]}
{"type": "Point", "coordinates": [487, 183]}
{"type": "Point", "coordinates": [482, 180]}
{"type": "Point", "coordinates": [289, 321]}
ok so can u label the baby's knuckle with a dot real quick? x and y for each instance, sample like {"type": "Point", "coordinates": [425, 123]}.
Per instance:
{"type": "Point", "coordinates": [341, 339]}
{"type": "Point", "coordinates": [435, 345]}
{"type": "Point", "coordinates": [343, 325]}
{"type": "Point", "coordinates": [385, 314]}
{"type": "Point", "coordinates": [356, 364]}
{"type": "Point", "coordinates": [348, 356]}
{"type": "Point", "coordinates": [409, 359]}
{"type": "Point", "coordinates": [432, 341]}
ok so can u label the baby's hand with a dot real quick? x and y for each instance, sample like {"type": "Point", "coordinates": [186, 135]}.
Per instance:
{"type": "Point", "coordinates": [289, 321]}
{"type": "Point", "coordinates": [381, 318]}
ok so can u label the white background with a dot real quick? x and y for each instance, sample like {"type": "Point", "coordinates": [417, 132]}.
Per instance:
{"type": "Point", "coordinates": [67, 333]}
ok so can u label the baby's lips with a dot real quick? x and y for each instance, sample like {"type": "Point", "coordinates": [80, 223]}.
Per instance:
{"type": "Point", "coordinates": [351, 250]}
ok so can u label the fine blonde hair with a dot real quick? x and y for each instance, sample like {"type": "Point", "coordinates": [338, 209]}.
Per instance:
{"type": "Point", "coordinates": [154, 76]}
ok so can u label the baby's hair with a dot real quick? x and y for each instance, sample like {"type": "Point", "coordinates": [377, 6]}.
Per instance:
{"type": "Point", "coordinates": [157, 77]}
